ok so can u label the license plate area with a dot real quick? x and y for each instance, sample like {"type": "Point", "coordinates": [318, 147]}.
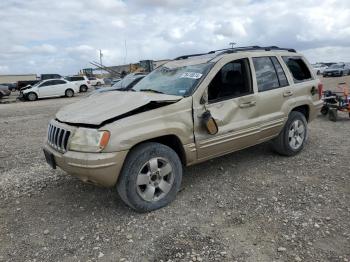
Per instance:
{"type": "Point", "coordinates": [50, 159]}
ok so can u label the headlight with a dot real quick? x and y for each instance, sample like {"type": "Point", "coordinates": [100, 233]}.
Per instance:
{"type": "Point", "coordinates": [89, 140]}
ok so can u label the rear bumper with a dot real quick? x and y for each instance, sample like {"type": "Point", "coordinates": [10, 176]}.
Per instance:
{"type": "Point", "coordinates": [315, 109]}
{"type": "Point", "coordinates": [98, 168]}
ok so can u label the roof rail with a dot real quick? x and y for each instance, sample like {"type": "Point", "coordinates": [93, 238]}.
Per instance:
{"type": "Point", "coordinates": [239, 49]}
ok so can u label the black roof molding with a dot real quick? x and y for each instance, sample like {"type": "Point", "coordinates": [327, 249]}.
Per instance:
{"type": "Point", "coordinates": [239, 49]}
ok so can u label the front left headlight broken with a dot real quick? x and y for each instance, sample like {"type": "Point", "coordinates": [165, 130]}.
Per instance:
{"type": "Point", "coordinates": [89, 140]}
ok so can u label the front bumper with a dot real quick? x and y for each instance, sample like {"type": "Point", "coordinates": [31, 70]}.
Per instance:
{"type": "Point", "coordinates": [97, 168]}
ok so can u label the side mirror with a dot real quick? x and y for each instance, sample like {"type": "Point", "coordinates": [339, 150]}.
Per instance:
{"type": "Point", "coordinates": [209, 123]}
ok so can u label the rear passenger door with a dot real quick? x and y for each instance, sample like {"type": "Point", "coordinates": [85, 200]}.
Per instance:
{"type": "Point", "coordinates": [272, 85]}
{"type": "Point", "coordinates": [303, 80]}
{"type": "Point", "coordinates": [47, 89]}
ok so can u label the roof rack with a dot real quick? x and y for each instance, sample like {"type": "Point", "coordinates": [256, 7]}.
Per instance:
{"type": "Point", "coordinates": [239, 49]}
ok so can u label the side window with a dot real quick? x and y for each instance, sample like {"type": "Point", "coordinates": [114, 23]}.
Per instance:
{"type": "Point", "coordinates": [47, 83]}
{"type": "Point", "coordinates": [59, 82]}
{"type": "Point", "coordinates": [280, 73]}
{"type": "Point", "coordinates": [298, 68]}
{"type": "Point", "coordinates": [233, 80]}
{"type": "Point", "coordinates": [266, 75]}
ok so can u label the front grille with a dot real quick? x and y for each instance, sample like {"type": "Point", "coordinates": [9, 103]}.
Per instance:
{"type": "Point", "coordinates": [58, 138]}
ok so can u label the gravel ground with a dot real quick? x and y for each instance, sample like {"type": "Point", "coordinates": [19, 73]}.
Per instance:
{"type": "Point", "coordinates": [251, 205]}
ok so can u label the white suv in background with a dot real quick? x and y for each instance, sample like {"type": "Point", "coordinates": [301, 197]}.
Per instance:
{"type": "Point", "coordinates": [81, 81]}
{"type": "Point", "coordinates": [96, 81]}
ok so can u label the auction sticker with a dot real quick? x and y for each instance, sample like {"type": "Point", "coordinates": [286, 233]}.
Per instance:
{"type": "Point", "coordinates": [192, 75]}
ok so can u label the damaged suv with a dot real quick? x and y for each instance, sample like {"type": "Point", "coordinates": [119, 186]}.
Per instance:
{"type": "Point", "coordinates": [189, 110]}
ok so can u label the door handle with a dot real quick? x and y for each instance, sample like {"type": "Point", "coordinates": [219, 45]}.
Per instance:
{"type": "Point", "coordinates": [288, 93]}
{"type": "Point", "coordinates": [247, 104]}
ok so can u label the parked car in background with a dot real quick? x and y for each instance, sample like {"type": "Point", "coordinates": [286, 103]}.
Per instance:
{"type": "Point", "coordinates": [11, 86]}
{"type": "Point", "coordinates": [49, 88]}
{"type": "Point", "coordinates": [81, 81]}
{"type": "Point", "coordinates": [339, 69]}
{"type": "Point", "coordinates": [94, 81]}
{"type": "Point", "coordinates": [115, 80]}
{"type": "Point", "coordinates": [319, 68]}
{"type": "Point", "coordinates": [124, 85]}
{"type": "Point", "coordinates": [4, 91]}
{"type": "Point", "coordinates": [21, 84]}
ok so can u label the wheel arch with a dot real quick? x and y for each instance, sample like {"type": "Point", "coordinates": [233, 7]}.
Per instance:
{"type": "Point", "coordinates": [304, 109]}
{"type": "Point", "coordinates": [171, 141]}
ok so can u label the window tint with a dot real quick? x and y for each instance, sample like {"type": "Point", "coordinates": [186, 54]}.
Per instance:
{"type": "Point", "coordinates": [298, 68]}
{"type": "Point", "coordinates": [280, 73]}
{"type": "Point", "coordinates": [48, 83]}
{"type": "Point", "coordinates": [266, 75]}
{"type": "Point", "coordinates": [233, 80]}
{"type": "Point", "coordinates": [77, 78]}
{"type": "Point", "coordinates": [59, 82]}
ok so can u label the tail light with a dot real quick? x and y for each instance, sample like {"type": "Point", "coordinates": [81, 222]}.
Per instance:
{"type": "Point", "coordinates": [320, 90]}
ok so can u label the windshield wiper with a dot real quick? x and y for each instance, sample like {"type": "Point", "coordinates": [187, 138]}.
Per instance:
{"type": "Point", "coordinates": [151, 90]}
{"type": "Point", "coordinates": [125, 89]}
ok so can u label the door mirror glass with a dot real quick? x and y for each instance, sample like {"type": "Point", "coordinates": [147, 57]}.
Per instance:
{"type": "Point", "coordinates": [209, 123]}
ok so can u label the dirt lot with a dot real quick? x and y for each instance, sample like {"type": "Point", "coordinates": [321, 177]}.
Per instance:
{"type": "Point", "coordinates": [251, 205]}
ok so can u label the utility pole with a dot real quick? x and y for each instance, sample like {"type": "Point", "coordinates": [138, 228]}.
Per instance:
{"type": "Point", "coordinates": [101, 59]}
{"type": "Point", "coordinates": [232, 44]}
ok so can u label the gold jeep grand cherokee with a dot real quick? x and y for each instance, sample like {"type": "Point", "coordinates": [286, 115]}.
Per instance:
{"type": "Point", "coordinates": [191, 109]}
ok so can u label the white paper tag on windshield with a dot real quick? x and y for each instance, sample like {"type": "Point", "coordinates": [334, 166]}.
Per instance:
{"type": "Point", "coordinates": [192, 75]}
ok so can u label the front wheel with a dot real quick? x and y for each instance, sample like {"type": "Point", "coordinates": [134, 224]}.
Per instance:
{"type": "Point", "coordinates": [69, 93]}
{"type": "Point", "coordinates": [150, 178]}
{"type": "Point", "coordinates": [32, 96]}
{"type": "Point", "coordinates": [292, 138]}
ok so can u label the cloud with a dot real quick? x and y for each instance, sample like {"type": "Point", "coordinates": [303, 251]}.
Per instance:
{"type": "Point", "coordinates": [63, 36]}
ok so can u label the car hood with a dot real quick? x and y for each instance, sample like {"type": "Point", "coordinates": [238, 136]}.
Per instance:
{"type": "Point", "coordinates": [109, 106]}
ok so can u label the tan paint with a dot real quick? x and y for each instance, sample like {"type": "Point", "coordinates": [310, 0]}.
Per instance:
{"type": "Point", "coordinates": [239, 126]}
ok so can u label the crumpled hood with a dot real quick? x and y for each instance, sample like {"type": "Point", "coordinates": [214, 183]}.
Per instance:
{"type": "Point", "coordinates": [96, 109]}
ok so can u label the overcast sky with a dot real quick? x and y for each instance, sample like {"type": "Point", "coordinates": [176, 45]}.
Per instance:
{"type": "Point", "coordinates": [62, 36]}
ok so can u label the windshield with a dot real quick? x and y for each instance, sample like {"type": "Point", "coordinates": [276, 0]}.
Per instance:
{"type": "Point", "coordinates": [124, 83]}
{"type": "Point", "coordinates": [37, 84]}
{"type": "Point", "coordinates": [336, 66]}
{"type": "Point", "coordinates": [178, 81]}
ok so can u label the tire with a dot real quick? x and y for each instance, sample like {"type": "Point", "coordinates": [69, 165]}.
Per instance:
{"type": "Point", "coordinates": [324, 110]}
{"type": "Point", "coordinates": [32, 96]}
{"type": "Point", "coordinates": [69, 93]}
{"type": "Point", "coordinates": [98, 83]}
{"type": "Point", "coordinates": [83, 88]}
{"type": "Point", "coordinates": [295, 130]}
{"type": "Point", "coordinates": [1, 95]}
{"type": "Point", "coordinates": [333, 115]}
{"type": "Point", "coordinates": [140, 187]}
{"type": "Point", "coordinates": [318, 72]}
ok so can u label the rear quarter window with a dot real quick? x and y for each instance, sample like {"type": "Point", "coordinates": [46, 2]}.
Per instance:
{"type": "Point", "coordinates": [298, 68]}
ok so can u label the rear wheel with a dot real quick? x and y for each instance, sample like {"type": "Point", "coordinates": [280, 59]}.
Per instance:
{"type": "Point", "coordinates": [32, 96]}
{"type": "Point", "coordinates": [83, 88]}
{"type": "Point", "coordinates": [292, 138]}
{"type": "Point", "coordinates": [151, 177]}
{"type": "Point", "coordinates": [69, 93]}
{"type": "Point", "coordinates": [324, 110]}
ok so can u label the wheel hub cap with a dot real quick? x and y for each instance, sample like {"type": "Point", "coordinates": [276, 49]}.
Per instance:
{"type": "Point", "coordinates": [296, 134]}
{"type": "Point", "coordinates": [155, 179]}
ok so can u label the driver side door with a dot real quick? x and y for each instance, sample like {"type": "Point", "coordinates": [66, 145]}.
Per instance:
{"type": "Point", "coordinates": [232, 103]}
